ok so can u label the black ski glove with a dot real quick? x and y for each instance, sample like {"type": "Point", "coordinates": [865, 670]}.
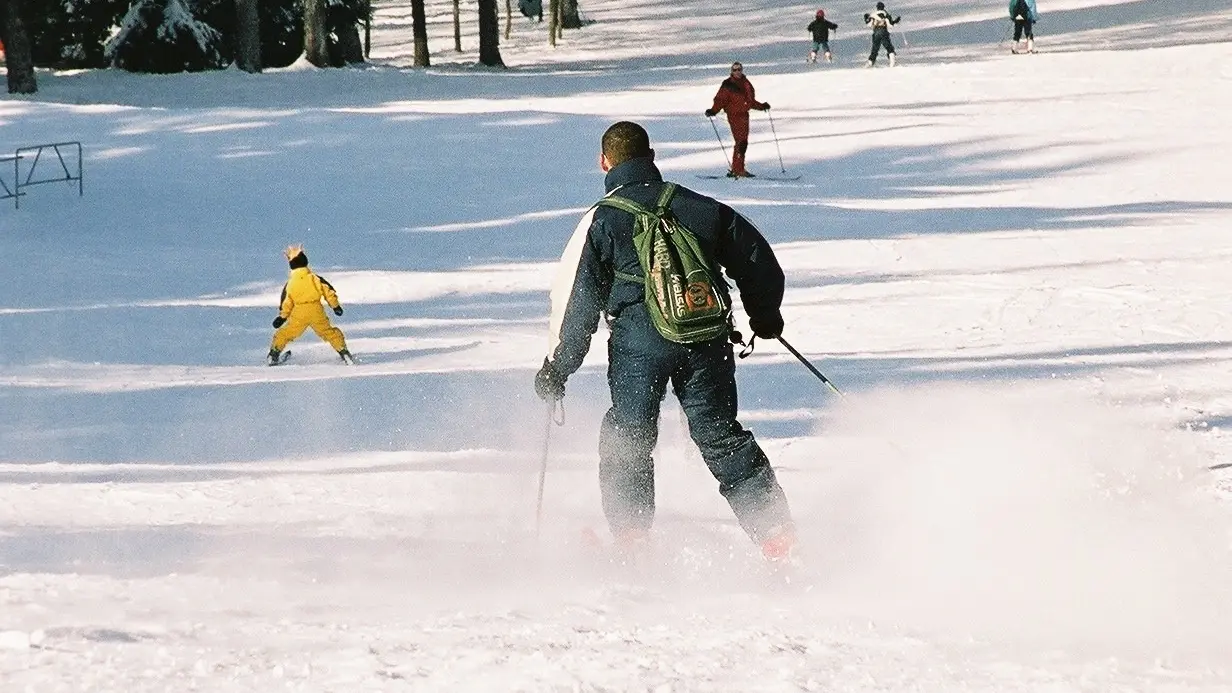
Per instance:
{"type": "Point", "coordinates": [338, 310]}
{"type": "Point", "coordinates": [549, 385]}
{"type": "Point", "coordinates": [768, 326]}
{"type": "Point", "coordinates": [765, 106]}
{"type": "Point", "coordinates": [710, 113]}
{"type": "Point", "coordinates": [279, 322]}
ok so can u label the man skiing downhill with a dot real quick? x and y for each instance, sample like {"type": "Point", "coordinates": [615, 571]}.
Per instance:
{"type": "Point", "coordinates": [880, 20]}
{"type": "Point", "coordinates": [736, 97]}
{"type": "Point", "coordinates": [821, 28]}
{"type": "Point", "coordinates": [1024, 16]}
{"type": "Point", "coordinates": [601, 274]}
{"type": "Point", "coordinates": [300, 308]}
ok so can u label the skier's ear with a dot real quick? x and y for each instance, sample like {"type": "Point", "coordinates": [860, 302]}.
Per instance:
{"type": "Point", "coordinates": [604, 164]}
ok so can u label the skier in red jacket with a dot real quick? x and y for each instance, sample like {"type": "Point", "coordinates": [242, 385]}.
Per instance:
{"type": "Point", "coordinates": [736, 97]}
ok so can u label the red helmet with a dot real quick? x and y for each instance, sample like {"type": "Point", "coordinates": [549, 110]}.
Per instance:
{"type": "Point", "coordinates": [821, 14]}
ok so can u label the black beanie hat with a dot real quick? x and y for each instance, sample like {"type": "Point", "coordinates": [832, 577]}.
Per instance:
{"type": "Point", "coordinates": [296, 257]}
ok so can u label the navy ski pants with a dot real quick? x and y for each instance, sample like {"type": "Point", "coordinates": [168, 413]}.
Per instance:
{"type": "Point", "coordinates": [641, 363]}
{"type": "Point", "coordinates": [881, 37]}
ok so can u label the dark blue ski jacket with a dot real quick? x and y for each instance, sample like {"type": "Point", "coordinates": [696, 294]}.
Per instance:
{"type": "Point", "coordinates": [586, 287]}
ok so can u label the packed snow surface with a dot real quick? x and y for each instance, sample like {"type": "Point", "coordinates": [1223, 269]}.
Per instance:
{"type": "Point", "coordinates": [1017, 268]}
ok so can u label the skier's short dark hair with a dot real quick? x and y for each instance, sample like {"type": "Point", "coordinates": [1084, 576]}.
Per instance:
{"type": "Point", "coordinates": [881, 5]}
{"type": "Point", "coordinates": [624, 141]}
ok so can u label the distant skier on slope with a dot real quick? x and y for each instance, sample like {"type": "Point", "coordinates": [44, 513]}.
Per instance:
{"type": "Point", "coordinates": [1024, 16]}
{"type": "Point", "coordinates": [300, 308]}
{"type": "Point", "coordinates": [821, 28]}
{"type": "Point", "coordinates": [531, 9]}
{"type": "Point", "coordinates": [602, 273]}
{"type": "Point", "coordinates": [880, 20]}
{"type": "Point", "coordinates": [736, 96]}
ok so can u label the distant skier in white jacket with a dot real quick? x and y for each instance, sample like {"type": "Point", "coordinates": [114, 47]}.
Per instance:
{"type": "Point", "coordinates": [880, 20]}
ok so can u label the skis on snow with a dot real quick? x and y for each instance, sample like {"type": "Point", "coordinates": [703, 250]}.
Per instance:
{"type": "Point", "coordinates": [758, 177]}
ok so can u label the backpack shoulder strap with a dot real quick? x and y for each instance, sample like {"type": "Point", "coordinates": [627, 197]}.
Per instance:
{"type": "Point", "coordinates": [665, 198]}
{"type": "Point", "coordinates": [633, 208]}
{"type": "Point", "coordinates": [623, 203]}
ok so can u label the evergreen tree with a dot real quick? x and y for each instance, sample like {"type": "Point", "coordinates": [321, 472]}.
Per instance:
{"type": "Point", "coordinates": [282, 32]}
{"type": "Point", "coordinates": [162, 36]}
{"type": "Point", "coordinates": [71, 33]}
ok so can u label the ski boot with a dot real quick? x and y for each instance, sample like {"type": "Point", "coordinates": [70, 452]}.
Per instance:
{"type": "Point", "coordinates": [778, 547]}
{"type": "Point", "coordinates": [346, 357]}
{"type": "Point", "coordinates": [829, 58]}
{"type": "Point", "coordinates": [274, 357]}
{"type": "Point", "coordinates": [632, 548]}
{"type": "Point", "coordinates": [1030, 45]}
{"type": "Point", "coordinates": [868, 63]}
{"type": "Point", "coordinates": [732, 174]}
{"type": "Point", "coordinates": [812, 57]}
{"type": "Point", "coordinates": [892, 60]}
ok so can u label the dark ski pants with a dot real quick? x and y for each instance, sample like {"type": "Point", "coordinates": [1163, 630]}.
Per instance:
{"type": "Point", "coordinates": [703, 377]}
{"type": "Point", "coordinates": [1021, 27]}
{"type": "Point", "coordinates": [881, 37]}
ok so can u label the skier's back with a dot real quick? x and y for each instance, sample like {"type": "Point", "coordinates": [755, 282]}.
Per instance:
{"type": "Point", "coordinates": [299, 308]}
{"type": "Point", "coordinates": [880, 20]}
{"type": "Point", "coordinates": [601, 274]}
{"type": "Point", "coordinates": [1024, 16]}
{"type": "Point", "coordinates": [820, 28]}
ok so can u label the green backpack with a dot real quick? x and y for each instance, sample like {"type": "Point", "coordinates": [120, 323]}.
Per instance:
{"type": "Point", "coordinates": [685, 302]}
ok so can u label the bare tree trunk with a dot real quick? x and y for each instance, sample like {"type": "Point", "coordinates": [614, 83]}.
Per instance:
{"type": "Point", "coordinates": [570, 18]}
{"type": "Point", "coordinates": [248, 36]}
{"type": "Point", "coordinates": [420, 31]}
{"type": "Point", "coordinates": [367, 28]}
{"type": "Point", "coordinates": [18, 54]}
{"type": "Point", "coordinates": [457, 25]}
{"type": "Point", "coordinates": [489, 35]}
{"type": "Point", "coordinates": [508, 18]}
{"type": "Point", "coordinates": [316, 48]}
{"type": "Point", "coordinates": [553, 21]}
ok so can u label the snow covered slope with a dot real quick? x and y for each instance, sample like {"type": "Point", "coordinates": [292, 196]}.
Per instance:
{"type": "Point", "coordinates": [1016, 266]}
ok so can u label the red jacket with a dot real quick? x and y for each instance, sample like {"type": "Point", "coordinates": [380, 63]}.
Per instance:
{"type": "Point", "coordinates": [736, 96]}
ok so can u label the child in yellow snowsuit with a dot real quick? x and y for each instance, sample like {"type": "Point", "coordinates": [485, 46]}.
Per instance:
{"type": "Point", "coordinates": [301, 309]}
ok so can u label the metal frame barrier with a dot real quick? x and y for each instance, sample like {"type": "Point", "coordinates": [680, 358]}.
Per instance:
{"type": "Point", "coordinates": [35, 154]}
{"type": "Point", "coordinates": [9, 193]}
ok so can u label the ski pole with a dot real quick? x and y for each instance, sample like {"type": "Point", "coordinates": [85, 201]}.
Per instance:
{"type": "Point", "coordinates": [543, 463]}
{"type": "Point", "coordinates": [810, 366]}
{"type": "Point", "coordinates": [782, 168]}
{"type": "Point", "coordinates": [719, 137]}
